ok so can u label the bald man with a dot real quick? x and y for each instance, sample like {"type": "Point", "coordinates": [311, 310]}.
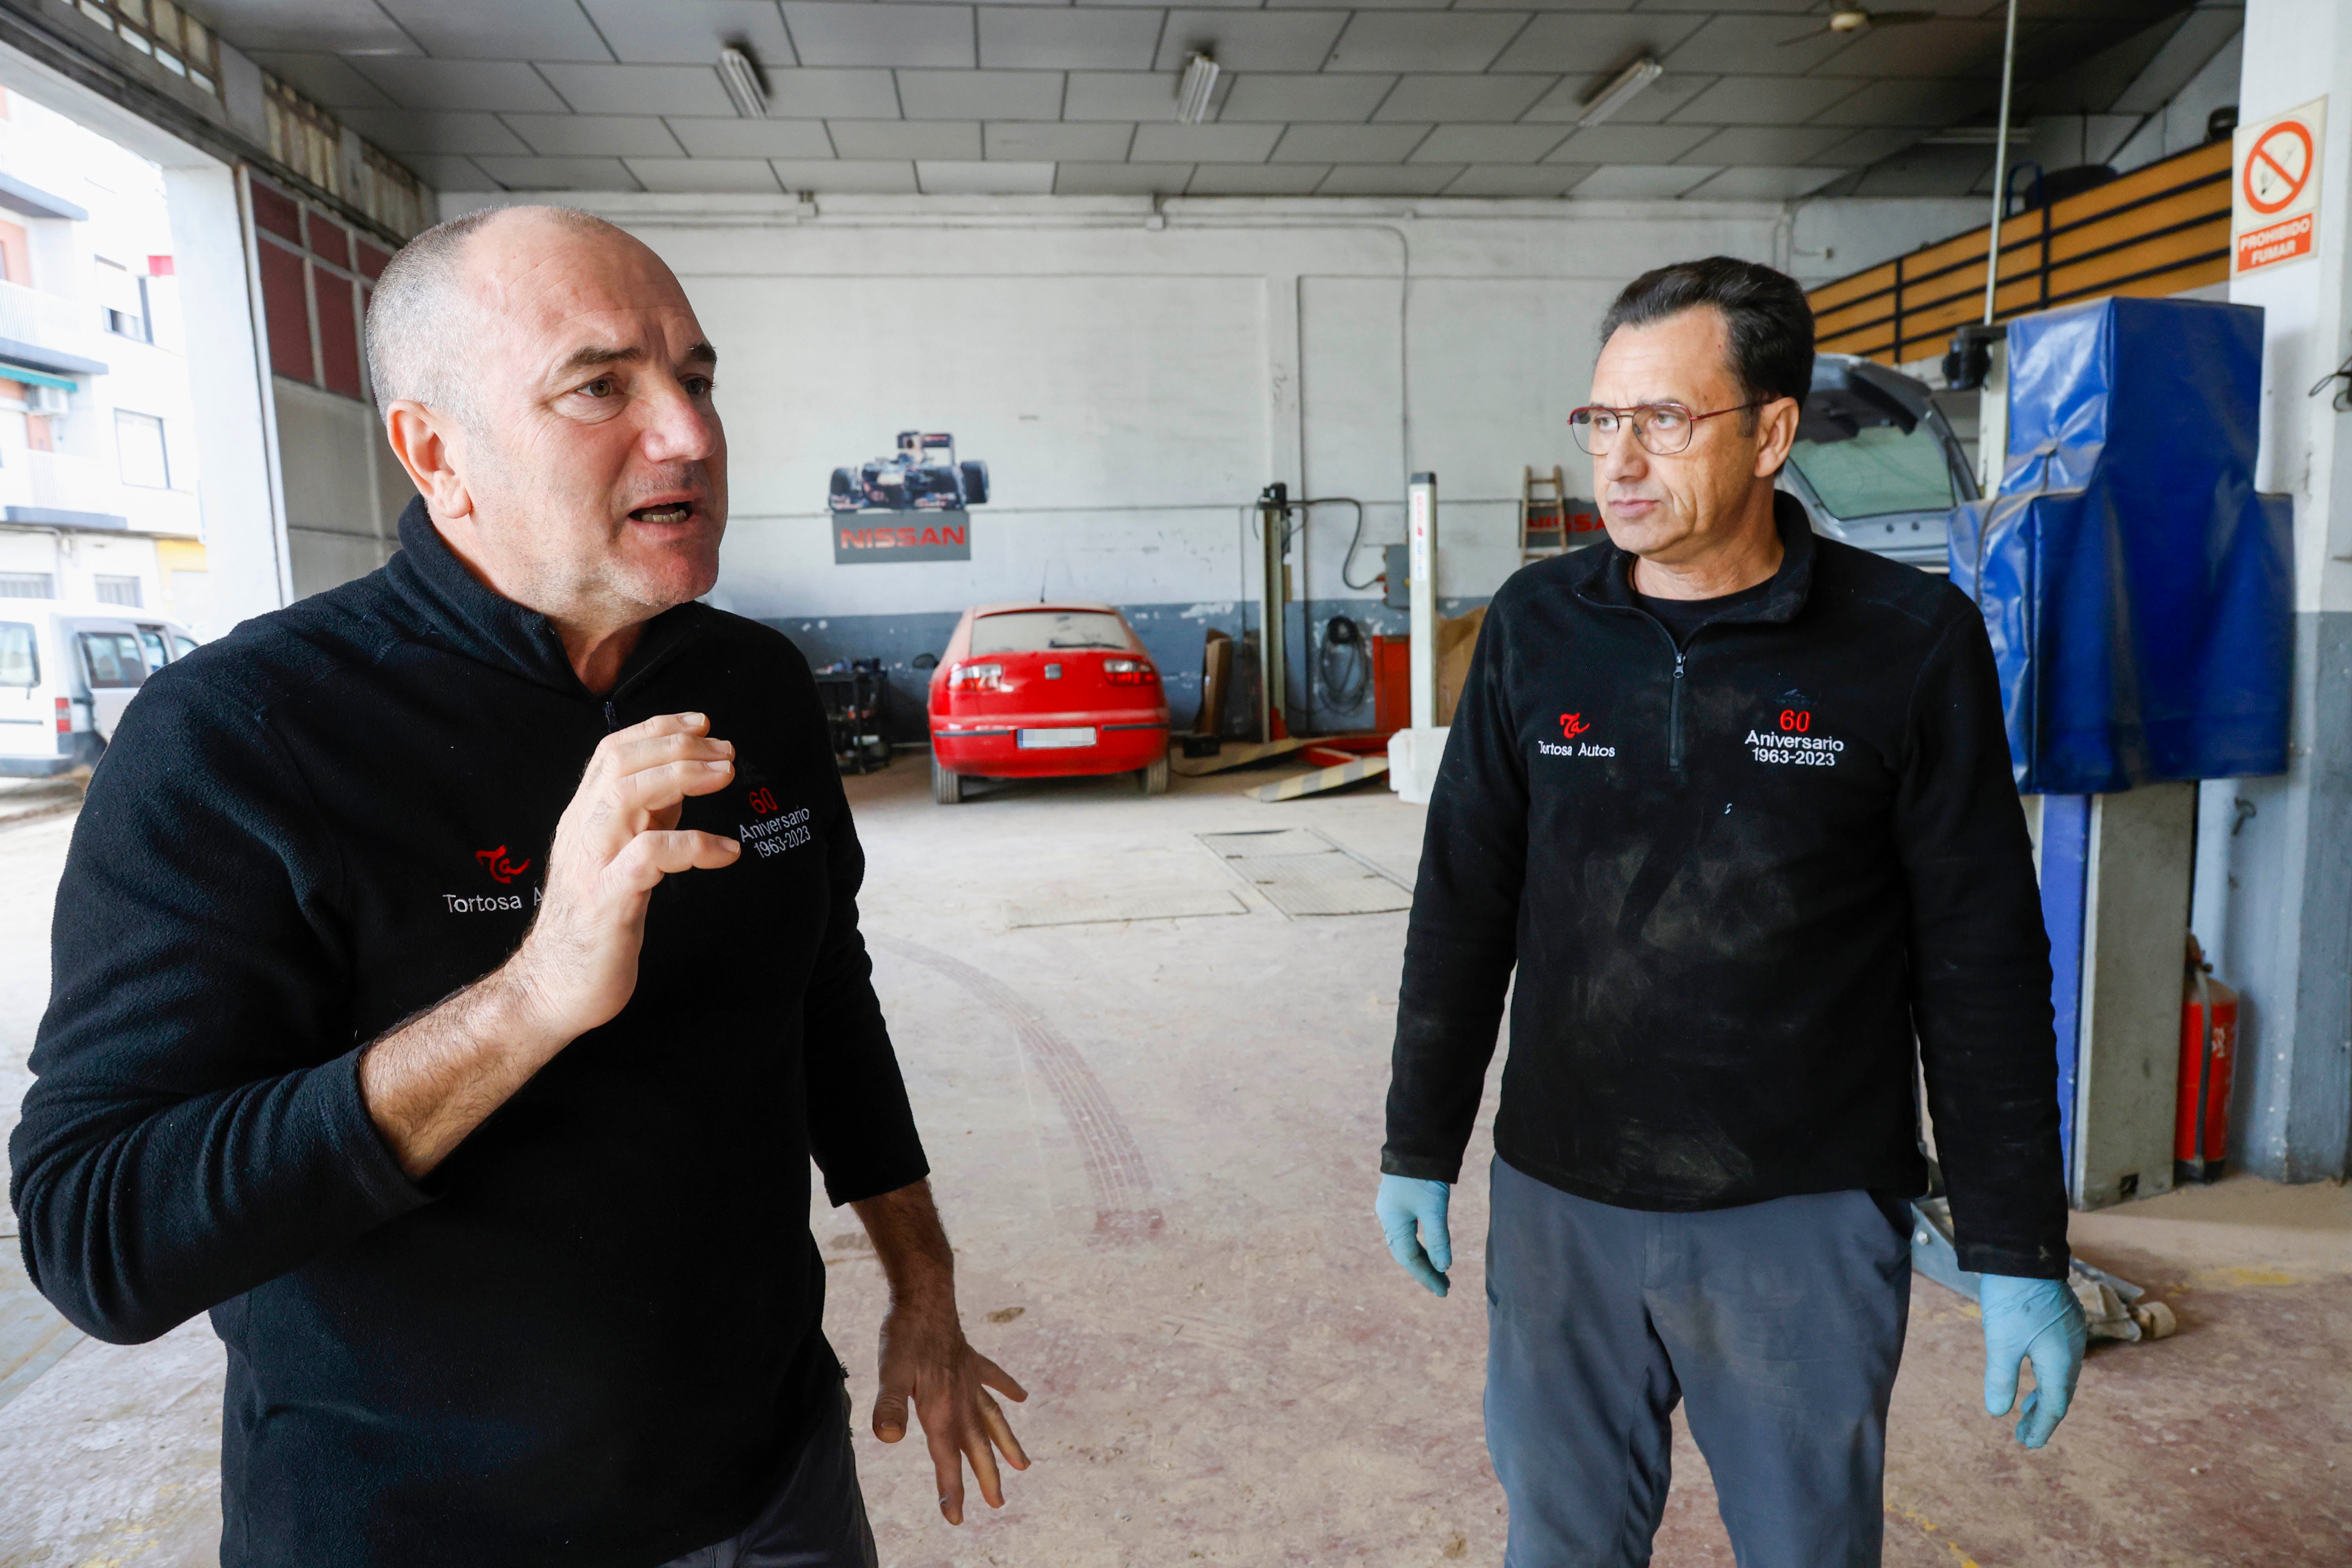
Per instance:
{"type": "Point", "coordinates": [455, 974]}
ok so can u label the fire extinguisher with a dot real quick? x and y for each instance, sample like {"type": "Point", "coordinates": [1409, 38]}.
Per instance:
{"type": "Point", "coordinates": [2208, 1045]}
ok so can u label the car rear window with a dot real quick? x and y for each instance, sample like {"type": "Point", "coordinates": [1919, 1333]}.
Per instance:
{"type": "Point", "coordinates": [114, 658]}
{"type": "Point", "coordinates": [1047, 631]}
{"type": "Point", "coordinates": [20, 656]}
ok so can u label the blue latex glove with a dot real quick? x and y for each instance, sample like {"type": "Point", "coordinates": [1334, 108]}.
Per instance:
{"type": "Point", "coordinates": [1407, 1205]}
{"type": "Point", "coordinates": [2039, 1319]}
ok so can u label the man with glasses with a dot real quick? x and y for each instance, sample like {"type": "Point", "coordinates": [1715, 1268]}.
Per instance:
{"type": "Point", "coordinates": [1736, 804]}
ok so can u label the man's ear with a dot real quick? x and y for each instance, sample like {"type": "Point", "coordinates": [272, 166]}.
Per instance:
{"type": "Point", "coordinates": [1776, 434]}
{"type": "Point", "coordinates": [431, 446]}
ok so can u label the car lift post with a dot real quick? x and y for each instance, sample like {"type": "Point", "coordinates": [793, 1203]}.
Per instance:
{"type": "Point", "coordinates": [1274, 520]}
{"type": "Point", "coordinates": [1420, 577]}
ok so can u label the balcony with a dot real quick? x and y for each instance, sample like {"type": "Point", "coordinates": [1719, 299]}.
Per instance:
{"type": "Point", "coordinates": [50, 332]}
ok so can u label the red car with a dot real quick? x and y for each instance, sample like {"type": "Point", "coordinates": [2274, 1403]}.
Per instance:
{"type": "Point", "coordinates": [1045, 691]}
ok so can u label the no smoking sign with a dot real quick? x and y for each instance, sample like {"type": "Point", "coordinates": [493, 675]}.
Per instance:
{"type": "Point", "coordinates": [2274, 199]}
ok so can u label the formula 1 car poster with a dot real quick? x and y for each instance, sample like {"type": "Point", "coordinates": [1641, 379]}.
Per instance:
{"type": "Point", "coordinates": [927, 493]}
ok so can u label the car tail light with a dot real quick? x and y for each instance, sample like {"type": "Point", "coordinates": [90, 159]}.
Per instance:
{"type": "Point", "coordinates": [976, 677]}
{"type": "Point", "coordinates": [1130, 671]}
{"type": "Point", "coordinates": [64, 717]}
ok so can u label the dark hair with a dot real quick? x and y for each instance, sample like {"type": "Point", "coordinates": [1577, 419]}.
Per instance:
{"type": "Point", "coordinates": [1769, 323]}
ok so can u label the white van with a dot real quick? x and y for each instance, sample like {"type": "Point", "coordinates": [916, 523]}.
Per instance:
{"type": "Point", "coordinates": [66, 672]}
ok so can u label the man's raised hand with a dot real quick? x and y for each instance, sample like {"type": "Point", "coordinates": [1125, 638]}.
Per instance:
{"type": "Point", "coordinates": [615, 843]}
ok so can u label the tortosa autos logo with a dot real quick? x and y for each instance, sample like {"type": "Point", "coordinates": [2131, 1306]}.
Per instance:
{"type": "Point", "coordinates": [1572, 726]}
{"type": "Point", "coordinates": [501, 870]}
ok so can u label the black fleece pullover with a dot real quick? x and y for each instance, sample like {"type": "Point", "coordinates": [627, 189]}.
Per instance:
{"type": "Point", "coordinates": [1734, 879]}
{"type": "Point", "coordinates": [592, 1335]}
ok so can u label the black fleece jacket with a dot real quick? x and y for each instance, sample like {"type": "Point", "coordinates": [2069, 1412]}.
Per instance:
{"type": "Point", "coordinates": [592, 1335]}
{"type": "Point", "coordinates": [1734, 880]}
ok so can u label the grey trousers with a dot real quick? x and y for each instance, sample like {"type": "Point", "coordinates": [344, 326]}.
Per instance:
{"type": "Point", "coordinates": [815, 1519]}
{"type": "Point", "coordinates": [1781, 1322]}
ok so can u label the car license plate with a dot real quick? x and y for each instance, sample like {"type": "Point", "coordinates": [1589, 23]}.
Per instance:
{"type": "Point", "coordinates": [1039, 740]}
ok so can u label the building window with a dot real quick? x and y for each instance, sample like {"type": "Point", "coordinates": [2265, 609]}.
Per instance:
{"type": "Point", "coordinates": [124, 591]}
{"type": "Point", "coordinates": [316, 279]}
{"type": "Point", "coordinates": [28, 585]}
{"type": "Point", "coordinates": [165, 34]}
{"type": "Point", "coordinates": [139, 439]}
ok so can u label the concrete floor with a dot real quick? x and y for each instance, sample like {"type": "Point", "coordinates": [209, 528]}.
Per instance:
{"type": "Point", "coordinates": [1155, 1145]}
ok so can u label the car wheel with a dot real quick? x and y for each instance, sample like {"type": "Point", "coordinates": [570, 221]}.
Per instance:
{"type": "Point", "coordinates": [947, 785]}
{"type": "Point", "coordinates": [975, 483]}
{"type": "Point", "coordinates": [1154, 779]}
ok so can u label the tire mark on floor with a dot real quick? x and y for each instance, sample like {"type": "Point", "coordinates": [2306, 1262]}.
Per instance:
{"type": "Point", "coordinates": [1115, 1173]}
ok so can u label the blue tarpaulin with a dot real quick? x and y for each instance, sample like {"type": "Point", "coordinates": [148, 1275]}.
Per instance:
{"type": "Point", "coordinates": [2138, 590]}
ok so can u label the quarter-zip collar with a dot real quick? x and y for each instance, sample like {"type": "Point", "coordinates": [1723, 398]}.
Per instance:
{"type": "Point", "coordinates": [1612, 582]}
{"type": "Point", "coordinates": [472, 619]}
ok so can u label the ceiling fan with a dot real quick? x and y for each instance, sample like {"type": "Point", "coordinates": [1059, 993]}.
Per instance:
{"type": "Point", "coordinates": [1851, 21]}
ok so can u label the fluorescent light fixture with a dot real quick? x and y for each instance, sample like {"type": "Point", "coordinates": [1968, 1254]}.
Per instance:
{"type": "Point", "coordinates": [1192, 92]}
{"type": "Point", "coordinates": [1621, 91]}
{"type": "Point", "coordinates": [742, 79]}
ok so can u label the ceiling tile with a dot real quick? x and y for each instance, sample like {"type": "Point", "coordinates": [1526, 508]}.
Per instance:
{"type": "Point", "coordinates": [944, 139]}
{"type": "Point", "coordinates": [448, 174]}
{"type": "Point", "coordinates": [1632, 144]}
{"type": "Point", "coordinates": [1122, 95]}
{"type": "Point", "coordinates": [327, 27]}
{"type": "Point", "coordinates": [827, 93]}
{"type": "Point", "coordinates": [1480, 99]}
{"type": "Point", "coordinates": [1654, 103]}
{"type": "Point", "coordinates": [506, 30]}
{"type": "Point", "coordinates": [489, 85]}
{"type": "Point", "coordinates": [981, 95]}
{"type": "Point", "coordinates": [326, 80]}
{"type": "Point", "coordinates": [1388, 179]}
{"type": "Point", "coordinates": [689, 32]}
{"type": "Point", "coordinates": [1924, 103]}
{"type": "Point", "coordinates": [1764, 100]}
{"type": "Point", "coordinates": [592, 135]}
{"type": "Point", "coordinates": [1359, 4]}
{"type": "Point", "coordinates": [1204, 144]}
{"type": "Point", "coordinates": [641, 89]}
{"type": "Point", "coordinates": [1487, 144]}
{"type": "Point", "coordinates": [1252, 40]}
{"type": "Point", "coordinates": [1947, 46]}
{"type": "Point", "coordinates": [1334, 98]}
{"type": "Point", "coordinates": [1765, 45]}
{"type": "Point", "coordinates": [958, 179]}
{"type": "Point", "coordinates": [1517, 180]}
{"type": "Point", "coordinates": [1041, 38]}
{"type": "Point", "coordinates": [1866, 147]}
{"type": "Point", "coordinates": [402, 131]}
{"type": "Point", "coordinates": [879, 178]}
{"type": "Point", "coordinates": [1423, 40]}
{"type": "Point", "coordinates": [1349, 144]}
{"type": "Point", "coordinates": [825, 34]}
{"type": "Point", "coordinates": [1762, 185]}
{"type": "Point", "coordinates": [1928, 172]}
{"type": "Point", "coordinates": [1754, 145]}
{"type": "Point", "coordinates": [1255, 179]}
{"type": "Point", "coordinates": [1587, 43]}
{"type": "Point", "coordinates": [753, 138]}
{"type": "Point", "coordinates": [748, 174]}
{"type": "Point", "coordinates": [1120, 179]}
{"type": "Point", "coordinates": [558, 174]}
{"type": "Point", "coordinates": [1104, 143]}
{"type": "Point", "coordinates": [1640, 180]}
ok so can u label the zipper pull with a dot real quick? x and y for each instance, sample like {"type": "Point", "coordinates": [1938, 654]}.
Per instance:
{"type": "Point", "coordinates": [1678, 674]}
{"type": "Point", "coordinates": [613, 714]}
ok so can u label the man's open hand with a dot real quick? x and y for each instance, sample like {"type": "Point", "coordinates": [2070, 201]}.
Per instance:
{"type": "Point", "coordinates": [927, 1363]}
{"type": "Point", "coordinates": [615, 843]}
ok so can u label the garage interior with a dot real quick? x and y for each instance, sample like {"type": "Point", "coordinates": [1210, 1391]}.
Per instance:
{"type": "Point", "coordinates": [1257, 329]}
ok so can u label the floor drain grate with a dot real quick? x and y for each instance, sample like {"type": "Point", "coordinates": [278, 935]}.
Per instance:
{"type": "Point", "coordinates": [1303, 873]}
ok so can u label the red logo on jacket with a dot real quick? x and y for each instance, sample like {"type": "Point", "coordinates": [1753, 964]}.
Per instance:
{"type": "Point", "coordinates": [496, 863]}
{"type": "Point", "coordinates": [1572, 725]}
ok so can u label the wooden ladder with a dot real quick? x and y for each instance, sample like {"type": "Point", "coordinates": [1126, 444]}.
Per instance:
{"type": "Point", "coordinates": [1543, 513]}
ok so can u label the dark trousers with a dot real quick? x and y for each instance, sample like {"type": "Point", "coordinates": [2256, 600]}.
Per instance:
{"type": "Point", "coordinates": [1781, 1322]}
{"type": "Point", "coordinates": [815, 1519]}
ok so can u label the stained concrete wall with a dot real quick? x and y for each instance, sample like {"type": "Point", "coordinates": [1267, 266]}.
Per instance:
{"type": "Point", "coordinates": [1134, 375]}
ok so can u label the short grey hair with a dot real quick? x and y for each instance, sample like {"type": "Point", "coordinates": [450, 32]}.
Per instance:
{"type": "Point", "coordinates": [417, 317]}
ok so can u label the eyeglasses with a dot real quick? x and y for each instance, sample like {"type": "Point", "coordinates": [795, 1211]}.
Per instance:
{"type": "Point", "coordinates": [1663, 428]}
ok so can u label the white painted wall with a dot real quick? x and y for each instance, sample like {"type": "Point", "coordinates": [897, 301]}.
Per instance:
{"type": "Point", "coordinates": [1132, 387]}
